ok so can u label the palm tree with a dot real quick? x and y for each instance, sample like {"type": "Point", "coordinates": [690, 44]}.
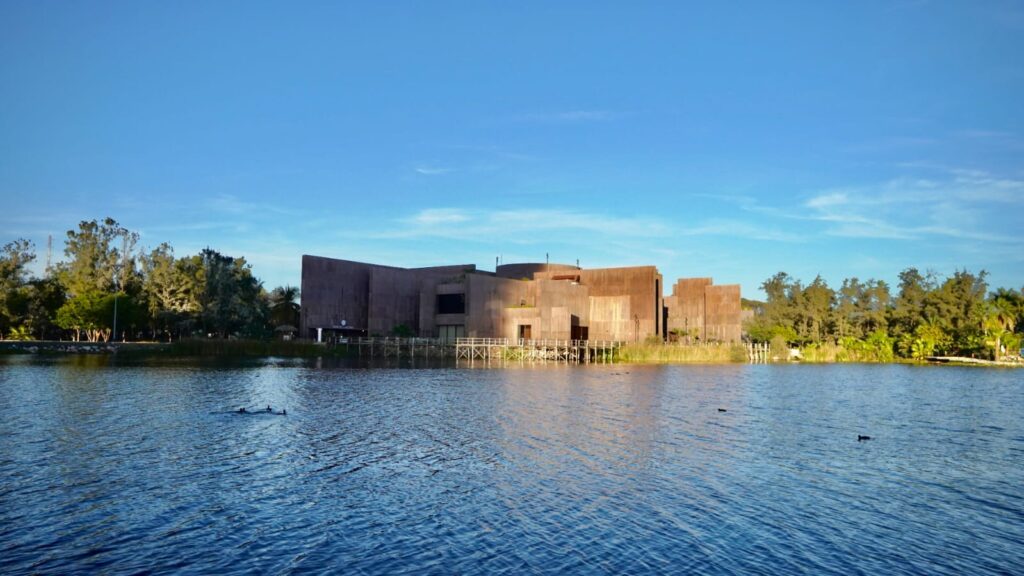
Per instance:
{"type": "Point", "coordinates": [284, 306]}
{"type": "Point", "coordinates": [999, 323]}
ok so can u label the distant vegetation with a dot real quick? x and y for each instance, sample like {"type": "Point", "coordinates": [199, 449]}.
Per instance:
{"type": "Point", "coordinates": [156, 295]}
{"type": "Point", "coordinates": [862, 321]}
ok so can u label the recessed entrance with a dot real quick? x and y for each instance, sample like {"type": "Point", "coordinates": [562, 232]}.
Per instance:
{"type": "Point", "coordinates": [525, 332]}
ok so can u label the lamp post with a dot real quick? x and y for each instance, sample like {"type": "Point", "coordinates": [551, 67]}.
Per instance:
{"type": "Point", "coordinates": [113, 336]}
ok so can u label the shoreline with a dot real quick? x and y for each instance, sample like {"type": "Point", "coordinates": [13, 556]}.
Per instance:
{"type": "Point", "coordinates": [292, 349]}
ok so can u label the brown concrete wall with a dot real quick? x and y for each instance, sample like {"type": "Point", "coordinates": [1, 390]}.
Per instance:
{"type": "Point", "coordinates": [612, 303]}
{"type": "Point", "coordinates": [394, 300]}
{"type": "Point", "coordinates": [722, 309]}
{"type": "Point", "coordinates": [611, 318]}
{"type": "Point", "coordinates": [486, 299]}
{"type": "Point", "coordinates": [521, 270]}
{"type": "Point", "coordinates": [560, 305]}
{"type": "Point", "coordinates": [332, 291]}
{"type": "Point", "coordinates": [512, 318]}
{"type": "Point", "coordinates": [429, 289]}
{"type": "Point", "coordinates": [642, 288]}
{"type": "Point", "coordinates": [395, 294]}
{"type": "Point", "coordinates": [368, 297]}
{"type": "Point", "coordinates": [710, 312]}
{"type": "Point", "coordinates": [686, 306]}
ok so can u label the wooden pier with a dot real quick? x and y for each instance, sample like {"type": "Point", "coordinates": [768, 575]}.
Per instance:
{"type": "Point", "coordinates": [759, 352]}
{"type": "Point", "coordinates": [534, 351]}
{"type": "Point", "coordinates": [512, 350]}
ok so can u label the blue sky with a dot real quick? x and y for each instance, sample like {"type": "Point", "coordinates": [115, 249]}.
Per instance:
{"type": "Point", "coordinates": [731, 140]}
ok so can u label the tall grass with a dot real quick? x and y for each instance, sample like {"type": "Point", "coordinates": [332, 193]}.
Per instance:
{"type": "Point", "coordinates": [828, 352]}
{"type": "Point", "coordinates": [648, 353]}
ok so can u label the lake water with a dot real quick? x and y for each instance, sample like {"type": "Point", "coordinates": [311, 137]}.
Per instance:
{"type": "Point", "coordinates": [121, 467]}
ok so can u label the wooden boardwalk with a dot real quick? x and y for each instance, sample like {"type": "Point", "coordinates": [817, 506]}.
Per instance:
{"type": "Point", "coordinates": [533, 351]}
{"type": "Point", "coordinates": [510, 350]}
{"type": "Point", "coordinates": [758, 352]}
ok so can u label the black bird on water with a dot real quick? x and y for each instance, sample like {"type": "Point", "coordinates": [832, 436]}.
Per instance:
{"type": "Point", "coordinates": [241, 410]}
{"type": "Point", "coordinates": [861, 438]}
{"type": "Point", "coordinates": [722, 410]}
{"type": "Point", "coordinates": [268, 408]}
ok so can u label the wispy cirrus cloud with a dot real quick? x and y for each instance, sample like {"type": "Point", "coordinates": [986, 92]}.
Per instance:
{"type": "Point", "coordinates": [433, 170]}
{"type": "Point", "coordinates": [519, 226]}
{"type": "Point", "coordinates": [488, 225]}
{"type": "Point", "coordinates": [959, 204]}
{"type": "Point", "coordinates": [439, 217]}
{"type": "Point", "coordinates": [948, 203]}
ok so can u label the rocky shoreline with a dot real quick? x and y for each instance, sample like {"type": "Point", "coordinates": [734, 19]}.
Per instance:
{"type": "Point", "coordinates": [68, 347]}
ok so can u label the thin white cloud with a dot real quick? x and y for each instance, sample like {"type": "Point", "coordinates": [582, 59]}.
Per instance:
{"type": "Point", "coordinates": [828, 200]}
{"type": "Point", "coordinates": [954, 204]}
{"type": "Point", "coordinates": [958, 205]}
{"type": "Point", "coordinates": [439, 216]}
{"type": "Point", "coordinates": [529, 226]}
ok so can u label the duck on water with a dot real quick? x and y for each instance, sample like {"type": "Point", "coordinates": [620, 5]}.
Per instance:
{"type": "Point", "coordinates": [245, 411]}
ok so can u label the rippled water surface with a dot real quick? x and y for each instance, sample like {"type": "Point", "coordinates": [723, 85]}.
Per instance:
{"type": "Point", "coordinates": [600, 469]}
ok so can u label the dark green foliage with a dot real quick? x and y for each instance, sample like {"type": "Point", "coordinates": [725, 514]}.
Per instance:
{"type": "Point", "coordinates": [402, 331]}
{"type": "Point", "coordinates": [156, 295]}
{"type": "Point", "coordinates": [15, 256]}
{"type": "Point", "coordinates": [929, 316]}
{"type": "Point", "coordinates": [284, 306]}
{"type": "Point", "coordinates": [232, 300]}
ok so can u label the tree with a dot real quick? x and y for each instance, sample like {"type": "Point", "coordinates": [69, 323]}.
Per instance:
{"type": "Point", "coordinates": [43, 297]}
{"type": "Point", "coordinates": [172, 289]}
{"type": "Point", "coordinates": [958, 306]}
{"type": "Point", "coordinates": [83, 313]}
{"type": "Point", "coordinates": [101, 258]}
{"type": "Point", "coordinates": [776, 318]}
{"type": "Point", "coordinates": [284, 306]}
{"type": "Point", "coordinates": [908, 308]}
{"type": "Point", "coordinates": [15, 256]}
{"type": "Point", "coordinates": [232, 300]}
{"type": "Point", "coordinates": [1000, 322]}
{"type": "Point", "coordinates": [816, 305]}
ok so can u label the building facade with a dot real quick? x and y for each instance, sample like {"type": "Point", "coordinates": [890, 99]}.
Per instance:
{"type": "Point", "coordinates": [534, 301]}
{"type": "Point", "coordinates": [700, 311]}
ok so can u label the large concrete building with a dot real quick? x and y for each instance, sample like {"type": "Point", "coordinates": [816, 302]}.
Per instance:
{"type": "Point", "coordinates": [698, 310]}
{"type": "Point", "coordinates": [532, 301]}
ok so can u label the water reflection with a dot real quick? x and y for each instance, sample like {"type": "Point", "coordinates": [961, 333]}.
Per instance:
{"type": "Point", "coordinates": [125, 466]}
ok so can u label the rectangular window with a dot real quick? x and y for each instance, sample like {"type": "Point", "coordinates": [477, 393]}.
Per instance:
{"type": "Point", "coordinates": [449, 332]}
{"type": "Point", "coordinates": [451, 303]}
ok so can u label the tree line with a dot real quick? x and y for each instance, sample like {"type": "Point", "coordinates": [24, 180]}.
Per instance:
{"type": "Point", "coordinates": [929, 315]}
{"type": "Point", "coordinates": [151, 295]}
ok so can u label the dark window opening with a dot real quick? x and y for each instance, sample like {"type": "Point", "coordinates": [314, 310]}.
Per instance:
{"type": "Point", "coordinates": [451, 303]}
{"type": "Point", "coordinates": [525, 332]}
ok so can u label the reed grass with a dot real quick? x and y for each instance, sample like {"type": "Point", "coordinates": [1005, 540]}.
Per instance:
{"type": "Point", "coordinates": [648, 353]}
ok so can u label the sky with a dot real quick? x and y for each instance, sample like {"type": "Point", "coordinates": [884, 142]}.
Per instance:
{"type": "Point", "coordinates": [732, 140]}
